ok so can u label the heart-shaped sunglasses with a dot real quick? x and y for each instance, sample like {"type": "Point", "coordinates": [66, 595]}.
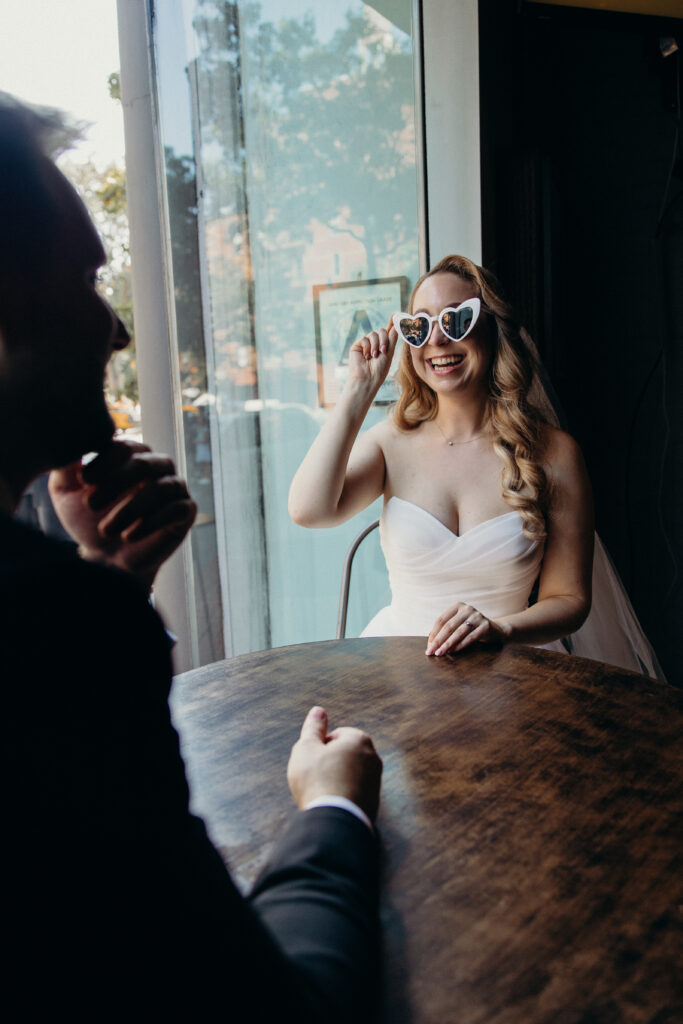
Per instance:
{"type": "Point", "coordinates": [455, 323]}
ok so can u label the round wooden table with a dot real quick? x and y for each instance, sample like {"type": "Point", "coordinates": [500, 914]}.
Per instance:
{"type": "Point", "coordinates": [530, 818]}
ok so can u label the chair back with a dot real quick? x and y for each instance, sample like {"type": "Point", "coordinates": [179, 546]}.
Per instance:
{"type": "Point", "coordinates": [346, 578]}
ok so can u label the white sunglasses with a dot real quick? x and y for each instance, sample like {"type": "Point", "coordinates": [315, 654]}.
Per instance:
{"type": "Point", "coordinates": [455, 323]}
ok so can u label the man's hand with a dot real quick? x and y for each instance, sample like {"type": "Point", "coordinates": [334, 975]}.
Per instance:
{"type": "Point", "coordinates": [126, 508]}
{"type": "Point", "coordinates": [343, 762]}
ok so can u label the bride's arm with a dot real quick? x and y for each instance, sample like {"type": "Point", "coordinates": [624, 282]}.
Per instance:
{"type": "Point", "coordinates": [564, 594]}
{"type": "Point", "coordinates": [338, 477]}
{"type": "Point", "coordinates": [564, 591]}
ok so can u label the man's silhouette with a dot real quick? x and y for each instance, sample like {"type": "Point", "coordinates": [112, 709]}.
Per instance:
{"type": "Point", "coordinates": [116, 903]}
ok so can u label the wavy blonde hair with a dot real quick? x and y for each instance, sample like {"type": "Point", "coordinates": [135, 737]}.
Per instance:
{"type": "Point", "coordinates": [514, 422]}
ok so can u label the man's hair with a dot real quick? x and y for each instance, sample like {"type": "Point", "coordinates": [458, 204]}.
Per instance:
{"type": "Point", "coordinates": [29, 137]}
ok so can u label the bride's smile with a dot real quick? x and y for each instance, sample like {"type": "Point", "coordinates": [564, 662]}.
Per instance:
{"type": "Point", "coordinates": [444, 364]}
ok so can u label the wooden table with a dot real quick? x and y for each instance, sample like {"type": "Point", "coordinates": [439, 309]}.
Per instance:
{"type": "Point", "coordinates": [531, 818]}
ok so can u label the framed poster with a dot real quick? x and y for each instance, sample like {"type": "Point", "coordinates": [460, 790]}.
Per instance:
{"type": "Point", "coordinates": [344, 313]}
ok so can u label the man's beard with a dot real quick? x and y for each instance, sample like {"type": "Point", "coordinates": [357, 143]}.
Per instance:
{"type": "Point", "coordinates": [83, 430]}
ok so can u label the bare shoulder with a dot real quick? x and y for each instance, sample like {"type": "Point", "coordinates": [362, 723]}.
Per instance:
{"type": "Point", "coordinates": [382, 435]}
{"type": "Point", "coordinates": [561, 456]}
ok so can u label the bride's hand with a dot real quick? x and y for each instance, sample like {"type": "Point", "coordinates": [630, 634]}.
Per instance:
{"type": "Point", "coordinates": [370, 357]}
{"type": "Point", "coordinates": [462, 625]}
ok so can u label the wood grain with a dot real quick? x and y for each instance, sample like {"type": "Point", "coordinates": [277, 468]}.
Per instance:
{"type": "Point", "coordinates": [531, 818]}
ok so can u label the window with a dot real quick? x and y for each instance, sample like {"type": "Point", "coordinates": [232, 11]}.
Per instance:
{"type": "Point", "coordinates": [288, 134]}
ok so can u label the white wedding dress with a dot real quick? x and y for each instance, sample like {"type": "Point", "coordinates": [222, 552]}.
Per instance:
{"type": "Point", "coordinates": [493, 567]}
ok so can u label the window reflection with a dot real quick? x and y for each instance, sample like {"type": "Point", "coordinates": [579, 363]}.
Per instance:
{"type": "Point", "coordinates": [299, 120]}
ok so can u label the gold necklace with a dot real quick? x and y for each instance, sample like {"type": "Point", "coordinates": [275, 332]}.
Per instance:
{"type": "Point", "coordinates": [450, 443]}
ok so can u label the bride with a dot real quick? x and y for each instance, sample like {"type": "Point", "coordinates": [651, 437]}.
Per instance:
{"type": "Point", "coordinates": [483, 494]}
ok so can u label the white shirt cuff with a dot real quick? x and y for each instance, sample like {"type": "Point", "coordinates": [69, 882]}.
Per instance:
{"type": "Point", "coordinates": [343, 803]}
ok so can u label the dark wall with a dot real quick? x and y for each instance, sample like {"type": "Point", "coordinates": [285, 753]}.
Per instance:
{"type": "Point", "coordinates": [583, 223]}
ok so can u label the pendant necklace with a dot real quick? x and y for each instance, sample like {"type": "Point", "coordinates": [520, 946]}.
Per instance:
{"type": "Point", "coordinates": [450, 443]}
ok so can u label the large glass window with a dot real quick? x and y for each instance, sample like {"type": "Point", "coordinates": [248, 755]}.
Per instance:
{"type": "Point", "coordinates": [288, 133]}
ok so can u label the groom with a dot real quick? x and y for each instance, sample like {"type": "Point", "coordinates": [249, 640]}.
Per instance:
{"type": "Point", "coordinates": [116, 905]}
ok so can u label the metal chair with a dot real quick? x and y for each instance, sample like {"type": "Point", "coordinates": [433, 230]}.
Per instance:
{"type": "Point", "coordinates": [346, 578]}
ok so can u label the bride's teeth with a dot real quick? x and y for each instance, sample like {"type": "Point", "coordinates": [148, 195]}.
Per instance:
{"type": "Point", "coordinates": [447, 361]}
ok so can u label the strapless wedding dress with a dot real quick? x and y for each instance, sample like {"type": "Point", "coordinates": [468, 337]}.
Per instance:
{"type": "Point", "coordinates": [493, 567]}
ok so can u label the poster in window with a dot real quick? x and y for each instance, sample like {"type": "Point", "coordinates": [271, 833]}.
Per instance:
{"type": "Point", "coordinates": [344, 313]}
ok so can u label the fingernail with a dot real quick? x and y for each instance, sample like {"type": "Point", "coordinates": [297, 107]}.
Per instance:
{"type": "Point", "coordinates": [430, 649]}
{"type": "Point", "coordinates": [317, 712]}
{"type": "Point", "coordinates": [440, 651]}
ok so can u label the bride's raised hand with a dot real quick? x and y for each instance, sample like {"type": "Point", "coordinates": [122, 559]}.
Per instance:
{"type": "Point", "coordinates": [462, 625]}
{"type": "Point", "coordinates": [370, 357]}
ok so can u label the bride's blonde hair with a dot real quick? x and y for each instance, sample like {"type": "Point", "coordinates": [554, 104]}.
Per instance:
{"type": "Point", "coordinates": [513, 421]}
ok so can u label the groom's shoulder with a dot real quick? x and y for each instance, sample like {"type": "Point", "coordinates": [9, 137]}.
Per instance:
{"type": "Point", "coordinates": [24, 549]}
{"type": "Point", "coordinates": [49, 573]}
{"type": "Point", "coordinates": [57, 609]}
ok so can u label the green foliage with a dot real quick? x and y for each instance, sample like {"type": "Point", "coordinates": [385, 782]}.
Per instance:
{"type": "Point", "coordinates": [319, 186]}
{"type": "Point", "coordinates": [104, 194]}
{"type": "Point", "coordinates": [182, 203]}
{"type": "Point", "coordinates": [112, 191]}
{"type": "Point", "coordinates": [114, 83]}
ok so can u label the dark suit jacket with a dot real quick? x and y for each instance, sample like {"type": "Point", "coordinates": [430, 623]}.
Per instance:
{"type": "Point", "coordinates": [117, 905]}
